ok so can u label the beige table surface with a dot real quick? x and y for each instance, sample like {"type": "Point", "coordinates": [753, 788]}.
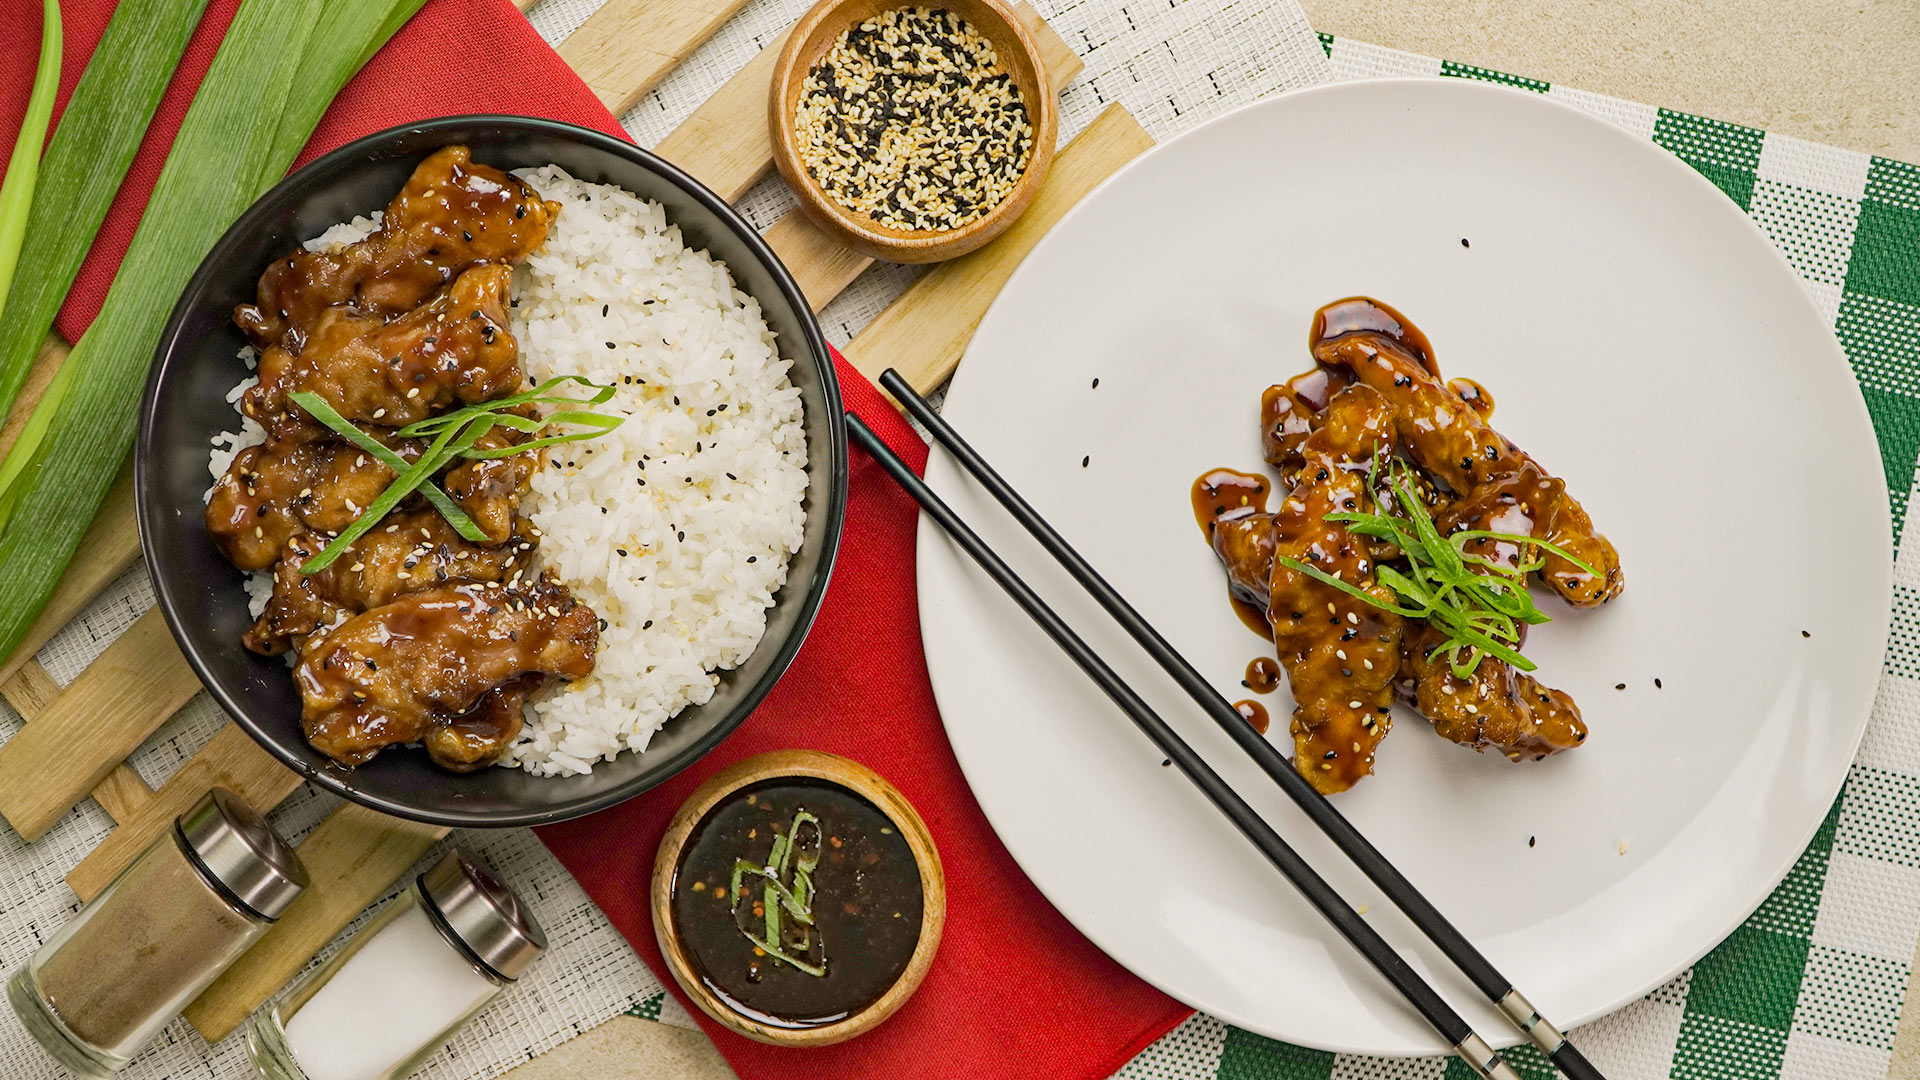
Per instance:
{"type": "Point", "coordinates": [1845, 72]}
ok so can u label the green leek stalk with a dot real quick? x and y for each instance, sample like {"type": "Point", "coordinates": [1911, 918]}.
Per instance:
{"type": "Point", "coordinates": [236, 140]}
{"type": "Point", "coordinates": [17, 195]}
{"type": "Point", "coordinates": [99, 132]}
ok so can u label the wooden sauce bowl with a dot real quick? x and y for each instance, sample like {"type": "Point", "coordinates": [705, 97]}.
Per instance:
{"type": "Point", "coordinates": [862, 781]}
{"type": "Point", "coordinates": [809, 41]}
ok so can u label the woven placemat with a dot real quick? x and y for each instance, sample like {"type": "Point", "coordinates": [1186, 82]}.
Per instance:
{"type": "Point", "coordinates": [1810, 988]}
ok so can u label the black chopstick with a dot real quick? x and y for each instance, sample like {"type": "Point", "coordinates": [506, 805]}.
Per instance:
{"type": "Point", "coordinates": [1459, 1035]}
{"type": "Point", "coordinates": [1481, 972]}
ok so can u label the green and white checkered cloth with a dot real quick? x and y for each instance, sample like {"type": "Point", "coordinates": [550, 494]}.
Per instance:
{"type": "Point", "coordinates": [1810, 988]}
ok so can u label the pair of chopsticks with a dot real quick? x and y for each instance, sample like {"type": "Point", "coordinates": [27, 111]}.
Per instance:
{"type": "Point", "coordinates": [1466, 1043]}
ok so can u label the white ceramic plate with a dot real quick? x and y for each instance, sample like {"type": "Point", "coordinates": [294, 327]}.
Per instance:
{"type": "Point", "coordinates": [1641, 338]}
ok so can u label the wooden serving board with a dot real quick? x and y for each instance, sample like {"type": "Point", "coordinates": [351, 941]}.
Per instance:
{"type": "Point", "coordinates": [78, 737]}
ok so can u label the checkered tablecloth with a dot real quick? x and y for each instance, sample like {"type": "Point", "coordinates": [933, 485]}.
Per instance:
{"type": "Point", "coordinates": [1810, 988]}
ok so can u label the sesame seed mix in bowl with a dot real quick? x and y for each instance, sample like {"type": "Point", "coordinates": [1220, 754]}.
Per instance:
{"type": "Point", "coordinates": [910, 119]}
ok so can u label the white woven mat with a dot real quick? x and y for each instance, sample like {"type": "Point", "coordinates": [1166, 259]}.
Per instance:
{"type": "Point", "coordinates": [1171, 63]}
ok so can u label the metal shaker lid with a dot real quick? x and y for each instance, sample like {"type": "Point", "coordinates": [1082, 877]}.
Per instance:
{"type": "Point", "coordinates": [242, 853]}
{"type": "Point", "coordinates": [482, 915]}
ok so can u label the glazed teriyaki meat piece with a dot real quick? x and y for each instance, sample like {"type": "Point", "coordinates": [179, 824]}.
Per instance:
{"type": "Point", "coordinates": [1450, 439]}
{"type": "Point", "coordinates": [1289, 412]}
{"type": "Point", "coordinates": [453, 213]}
{"type": "Point", "coordinates": [1496, 706]}
{"type": "Point", "coordinates": [393, 674]}
{"type": "Point", "coordinates": [478, 737]}
{"type": "Point", "coordinates": [1340, 653]}
{"type": "Point", "coordinates": [410, 552]}
{"type": "Point", "coordinates": [454, 348]}
{"type": "Point", "coordinates": [489, 489]}
{"type": "Point", "coordinates": [271, 494]}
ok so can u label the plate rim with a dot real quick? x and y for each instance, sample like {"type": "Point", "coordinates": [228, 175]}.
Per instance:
{"type": "Point", "coordinates": [1503, 1037]}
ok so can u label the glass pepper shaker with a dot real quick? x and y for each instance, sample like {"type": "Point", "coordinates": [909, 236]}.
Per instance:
{"type": "Point", "coordinates": [168, 925]}
{"type": "Point", "coordinates": [394, 993]}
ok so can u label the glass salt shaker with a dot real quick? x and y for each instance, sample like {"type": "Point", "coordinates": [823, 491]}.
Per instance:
{"type": "Point", "coordinates": [394, 994]}
{"type": "Point", "coordinates": [168, 925]}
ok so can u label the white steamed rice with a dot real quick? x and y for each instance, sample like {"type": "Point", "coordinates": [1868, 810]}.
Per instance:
{"type": "Point", "coordinates": [677, 526]}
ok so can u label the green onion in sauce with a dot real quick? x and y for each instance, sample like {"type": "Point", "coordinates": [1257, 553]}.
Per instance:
{"type": "Point", "coordinates": [1481, 604]}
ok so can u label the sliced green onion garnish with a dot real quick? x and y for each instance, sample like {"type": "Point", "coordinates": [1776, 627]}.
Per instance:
{"type": "Point", "coordinates": [1481, 604]}
{"type": "Point", "coordinates": [776, 897]}
{"type": "Point", "coordinates": [1325, 578]}
{"type": "Point", "coordinates": [539, 395]}
{"type": "Point", "coordinates": [595, 424]}
{"type": "Point", "coordinates": [318, 408]}
{"type": "Point", "coordinates": [438, 454]}
{"type": "Point", "coordinates": [454, 435]}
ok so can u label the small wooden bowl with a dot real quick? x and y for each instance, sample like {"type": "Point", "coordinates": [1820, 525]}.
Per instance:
{"type": "Point", "coordinates": [810, 39]}
{"type": "Point", "coordinates": [854, 777]}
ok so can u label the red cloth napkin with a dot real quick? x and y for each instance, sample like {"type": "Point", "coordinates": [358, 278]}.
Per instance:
{"type": "Point", "coordinates": [1015, 991]}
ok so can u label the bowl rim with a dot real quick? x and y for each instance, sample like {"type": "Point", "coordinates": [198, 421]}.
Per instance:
{"type": "Point", "coordinates": [232, 247]}
{"type": "Point", "coordinates": [912, 246]}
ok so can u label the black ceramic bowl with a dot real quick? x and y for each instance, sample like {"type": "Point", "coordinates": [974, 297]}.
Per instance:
{"type": "Point", "coordinates": [185, 405]}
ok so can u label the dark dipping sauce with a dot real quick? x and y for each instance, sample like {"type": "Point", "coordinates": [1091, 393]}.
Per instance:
{"type": "Point", "coordinates": [1254, 714]}
{"type": "Point", "coordinates": [866, 903]}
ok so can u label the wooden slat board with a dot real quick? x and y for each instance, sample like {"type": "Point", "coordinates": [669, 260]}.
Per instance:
{"type": "Point", "coordinates": [356, 854]}
{"type": "Point", "coordinates": [626, 48]}
{"type": "Point", "coordinates": [121, 793]}
{"type": "Point", "coordinates": [726, 143]}
{"type": "Point", "coordinates": [126, 693]}
{"type": "Point", "coordinates": [231, 759]}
